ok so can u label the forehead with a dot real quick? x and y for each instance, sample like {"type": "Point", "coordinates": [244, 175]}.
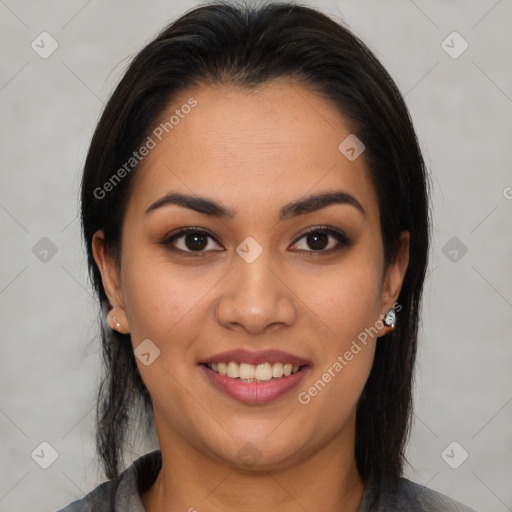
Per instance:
{"type": "Point", "coordinates": [250, 148]}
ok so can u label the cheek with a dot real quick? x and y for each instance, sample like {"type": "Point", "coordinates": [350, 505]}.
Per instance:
{"type": "Point", "coordinates": [167, 307]}
{"type": "Point", "coordinates": [161, 303]}
{"type": "Point", "coordinates": [345, 311]}
{"type": "Point", "coordinates": [328, 401]}
{"type": "Point", "coordinates": [345, 302]}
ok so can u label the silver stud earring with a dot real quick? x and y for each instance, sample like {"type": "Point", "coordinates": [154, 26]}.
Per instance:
{"type": "Point", "coordinates": [390, 318]}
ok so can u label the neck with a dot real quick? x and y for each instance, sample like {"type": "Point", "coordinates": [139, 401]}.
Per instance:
{"type": "Point", "coordinates": [189, 480]}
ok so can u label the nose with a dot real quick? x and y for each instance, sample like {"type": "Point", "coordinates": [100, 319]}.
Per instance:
{"type": "Point", "coordinates": [256, 297]}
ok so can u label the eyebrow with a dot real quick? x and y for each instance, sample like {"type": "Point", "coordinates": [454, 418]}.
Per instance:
{"type": "Point", "coordinates": [302, 206]}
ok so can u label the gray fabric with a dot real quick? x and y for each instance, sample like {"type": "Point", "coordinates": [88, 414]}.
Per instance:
{"type": "Point", "coordinates": [123, 493]}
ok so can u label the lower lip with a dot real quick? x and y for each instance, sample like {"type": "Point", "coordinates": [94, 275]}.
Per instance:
{"type": "Point", "coordinates": [255, 392]}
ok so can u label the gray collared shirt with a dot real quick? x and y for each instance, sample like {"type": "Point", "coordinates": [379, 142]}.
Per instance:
{"type": "Point", "coordinates": [122, 494]}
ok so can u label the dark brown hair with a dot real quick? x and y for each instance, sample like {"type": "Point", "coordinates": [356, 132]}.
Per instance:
{"type": "Point", "coordinates": [248, 46]}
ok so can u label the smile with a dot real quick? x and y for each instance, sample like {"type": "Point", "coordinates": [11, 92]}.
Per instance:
{"type": "Point", "coordinates": [252, 390]}
{"type": "Point", "coordinates": [248, 373]}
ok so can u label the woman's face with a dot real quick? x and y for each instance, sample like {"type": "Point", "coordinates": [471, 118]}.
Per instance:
{"type": "Point", "coordinates": [252, 282]}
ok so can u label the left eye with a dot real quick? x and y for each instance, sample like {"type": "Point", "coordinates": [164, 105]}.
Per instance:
{"type": "Point", "coordinates": [318, 240]}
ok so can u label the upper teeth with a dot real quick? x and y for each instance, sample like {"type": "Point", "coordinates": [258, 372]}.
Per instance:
{"type": "Point", "coordinates": [250, 373]}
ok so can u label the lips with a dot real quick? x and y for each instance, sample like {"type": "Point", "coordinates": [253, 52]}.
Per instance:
{"type": "Point", "coordinates": [255, 377]}
{"type": "Point", "coordinates": [270, 356]}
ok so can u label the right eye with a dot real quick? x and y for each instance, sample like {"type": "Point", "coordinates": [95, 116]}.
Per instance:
{"type": "Point", "coordinates": [195, 240]}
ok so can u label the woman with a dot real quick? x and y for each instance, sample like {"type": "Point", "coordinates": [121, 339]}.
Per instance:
{"type": "Point", "coordinates": [255, 213]}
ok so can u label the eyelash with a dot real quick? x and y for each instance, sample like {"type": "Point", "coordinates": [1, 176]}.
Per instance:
{"type": "Point", "coordinates": [338, 235]}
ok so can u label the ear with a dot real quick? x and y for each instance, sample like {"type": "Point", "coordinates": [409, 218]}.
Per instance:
{"type": "Point", "coordinates": [111, 280]}
{"type": "Point", "coordinates": [394, 278]}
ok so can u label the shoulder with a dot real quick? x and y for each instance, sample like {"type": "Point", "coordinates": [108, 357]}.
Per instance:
{"type": "Point", "coordinates": [99, 499]}
{"type": "Point", "coordinates": [123, 492]}
{"type": "Point", "coordinates": [408, 496]}
{"type": "Point", "coordinates": [428, 500]}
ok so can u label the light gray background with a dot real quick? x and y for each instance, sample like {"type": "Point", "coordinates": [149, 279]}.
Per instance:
{"type": "Point", "coordinates": [50, 353]}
